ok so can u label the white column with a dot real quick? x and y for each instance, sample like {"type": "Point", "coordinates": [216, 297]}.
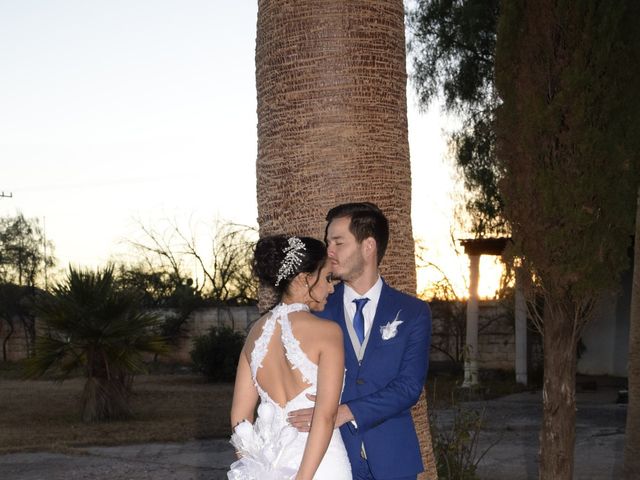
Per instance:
{"type": "Point", "coordinates": [521, 330]}
{"type": "Point", "coordinates": [471, 347]}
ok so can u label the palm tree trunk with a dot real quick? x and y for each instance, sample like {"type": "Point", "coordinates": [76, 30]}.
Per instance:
{"type": "Point", "coordinates": [105, 399]}
{"type": "Point", "coordinates": [632, 441]}
{"type": "Point", "coordinates": [332, 125]}
{"type": "Point", "coordinates": [332, 122]}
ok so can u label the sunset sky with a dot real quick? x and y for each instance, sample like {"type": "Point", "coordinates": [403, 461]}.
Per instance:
{"type": "Point", "coordinates": [114, 113]}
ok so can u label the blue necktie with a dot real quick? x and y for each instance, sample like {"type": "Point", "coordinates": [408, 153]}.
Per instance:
{"type": "Point", "coordinates": [358, 318]}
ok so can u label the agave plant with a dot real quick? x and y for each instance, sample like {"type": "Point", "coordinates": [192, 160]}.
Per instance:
{"type": "Point", "coordinates": [94, 327]}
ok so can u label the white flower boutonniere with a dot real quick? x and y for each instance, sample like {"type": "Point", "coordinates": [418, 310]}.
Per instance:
{"type": "Point", "coordinates": [390, 330]}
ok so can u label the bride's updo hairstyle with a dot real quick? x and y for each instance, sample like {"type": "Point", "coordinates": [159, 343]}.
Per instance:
{"type": "Point", "coordinates": [279, 258]}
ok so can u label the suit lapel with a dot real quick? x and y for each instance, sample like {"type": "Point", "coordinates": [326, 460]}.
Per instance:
{"type": "Point", "coordinates": [382, 316]}
{"type": "Point", "coordinates": [337, 312]}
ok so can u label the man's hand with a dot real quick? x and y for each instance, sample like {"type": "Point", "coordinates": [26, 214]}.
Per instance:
{"type": "Point", "coordinates": [344, 415]}
{"type": "Point", "coordinates": [301, 419]}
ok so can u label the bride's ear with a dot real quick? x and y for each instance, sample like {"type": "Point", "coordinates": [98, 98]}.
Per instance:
{"type": "Point", "coordinates": [302, 280]}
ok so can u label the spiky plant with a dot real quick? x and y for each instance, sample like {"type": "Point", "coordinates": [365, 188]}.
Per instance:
{"type": "Point", "coordinates": [92, 326]}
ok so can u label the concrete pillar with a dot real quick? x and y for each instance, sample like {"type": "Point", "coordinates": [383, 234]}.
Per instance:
{"type": "Point", "coordinates": [471, 347]}
{"type": "Point", "coordinates": [521, 330]}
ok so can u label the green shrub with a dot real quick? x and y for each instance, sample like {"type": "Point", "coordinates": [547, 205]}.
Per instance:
{"type": "Point", "coordinates": [216, 354]}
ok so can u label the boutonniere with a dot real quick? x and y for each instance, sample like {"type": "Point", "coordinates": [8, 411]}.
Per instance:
{"type": "Point", "coordinates": [390, 330]}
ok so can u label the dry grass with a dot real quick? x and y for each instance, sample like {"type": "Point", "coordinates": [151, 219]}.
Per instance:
{"type": "Point", "coordinates": [42, 415]}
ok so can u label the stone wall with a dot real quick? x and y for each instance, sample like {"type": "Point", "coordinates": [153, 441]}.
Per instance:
{"type": "Point", "coordinates": [496, 333]}
{"type": "Point", "coordinates": [496, 337]}
{"type": "Point", "coordinates": [238, 318]}
{"type": "Point", "coordinates": [17, 346]}
{"type": "Point", "coordinates": [200, 322]}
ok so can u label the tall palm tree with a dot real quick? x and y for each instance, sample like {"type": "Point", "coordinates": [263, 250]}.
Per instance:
{"type": "Point", "coordinates": [332, 126]}
{"type": "Point", "coordinates": [98, 329]}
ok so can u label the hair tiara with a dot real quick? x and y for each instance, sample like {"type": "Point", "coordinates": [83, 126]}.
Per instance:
{"type": "Point", "coordinates": [292, 259]}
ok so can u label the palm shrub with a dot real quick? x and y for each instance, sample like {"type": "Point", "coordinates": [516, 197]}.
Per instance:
{"type": "Point", "coordinates": [95, 327]}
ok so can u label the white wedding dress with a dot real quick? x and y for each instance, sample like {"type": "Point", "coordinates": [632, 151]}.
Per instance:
{"type": "Point", "coordinates": [271, 449]}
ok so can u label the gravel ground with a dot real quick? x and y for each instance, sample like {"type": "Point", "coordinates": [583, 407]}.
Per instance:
{"type": "Point", "coordinates": [514, 423]}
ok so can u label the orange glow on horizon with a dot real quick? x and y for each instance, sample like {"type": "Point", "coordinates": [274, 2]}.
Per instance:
{"type": "Point", "coordinates": [456, 270]}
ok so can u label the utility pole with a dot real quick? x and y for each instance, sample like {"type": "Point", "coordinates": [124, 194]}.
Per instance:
{"type": "Point", "coordinates": [44, 247]}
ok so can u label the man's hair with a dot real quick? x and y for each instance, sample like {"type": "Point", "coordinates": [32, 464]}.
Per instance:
{"type": "Point", "coordinates": [367, 220]}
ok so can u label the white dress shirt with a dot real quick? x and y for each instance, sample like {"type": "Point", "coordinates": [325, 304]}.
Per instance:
{"type": "Point", "coordinates": [369, 310]}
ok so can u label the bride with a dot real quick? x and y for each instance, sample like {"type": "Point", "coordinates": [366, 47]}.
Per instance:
{"type": "Point", "coordinates": [289, 354]}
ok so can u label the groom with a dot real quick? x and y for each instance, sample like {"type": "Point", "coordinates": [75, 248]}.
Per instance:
{"type": "Point", "coordinates": [387, 335]}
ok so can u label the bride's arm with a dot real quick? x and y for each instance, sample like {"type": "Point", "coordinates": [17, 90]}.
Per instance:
{"type": "Point", "coordinates": [330, 379]}
{"type": "Point", "coordinates": [245, 394]}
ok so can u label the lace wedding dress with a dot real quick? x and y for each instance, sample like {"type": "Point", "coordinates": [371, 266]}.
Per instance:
{"type": "Point", "coordinates": [271, 449]}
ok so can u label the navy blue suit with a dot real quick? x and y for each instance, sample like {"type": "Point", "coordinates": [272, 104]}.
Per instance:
{"type": "Point", "coordinates": [381, 389]}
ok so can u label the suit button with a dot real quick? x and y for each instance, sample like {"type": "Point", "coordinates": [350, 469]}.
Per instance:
{"type": "Point", "coordinates": [360, 381]}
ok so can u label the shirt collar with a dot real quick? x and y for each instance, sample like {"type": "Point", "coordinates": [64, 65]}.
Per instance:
{"type": "Point", "coordinates": [373, 294]}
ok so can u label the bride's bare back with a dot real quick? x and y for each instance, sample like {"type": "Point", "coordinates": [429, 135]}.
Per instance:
{"type": "Point", "coordinates": [284, 352]}
{"type": "Point", "coordinates": [277, 376]}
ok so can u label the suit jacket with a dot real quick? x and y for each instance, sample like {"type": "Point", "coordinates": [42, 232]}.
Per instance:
{"type": "Point", "coordinates": [385, 383]}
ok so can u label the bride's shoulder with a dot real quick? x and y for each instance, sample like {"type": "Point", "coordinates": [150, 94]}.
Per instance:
{"type": "Point", "coordinates": [321, 326]}
{"type": "Point", "coordinates": [258, 325]}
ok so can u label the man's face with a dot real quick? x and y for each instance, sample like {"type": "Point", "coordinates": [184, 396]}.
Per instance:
{"type": "Point", "coordinates": [345, 253]}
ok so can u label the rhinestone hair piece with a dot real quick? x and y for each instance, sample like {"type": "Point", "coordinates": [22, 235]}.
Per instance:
{"type": "Point", "coordinates": [292, 259]}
